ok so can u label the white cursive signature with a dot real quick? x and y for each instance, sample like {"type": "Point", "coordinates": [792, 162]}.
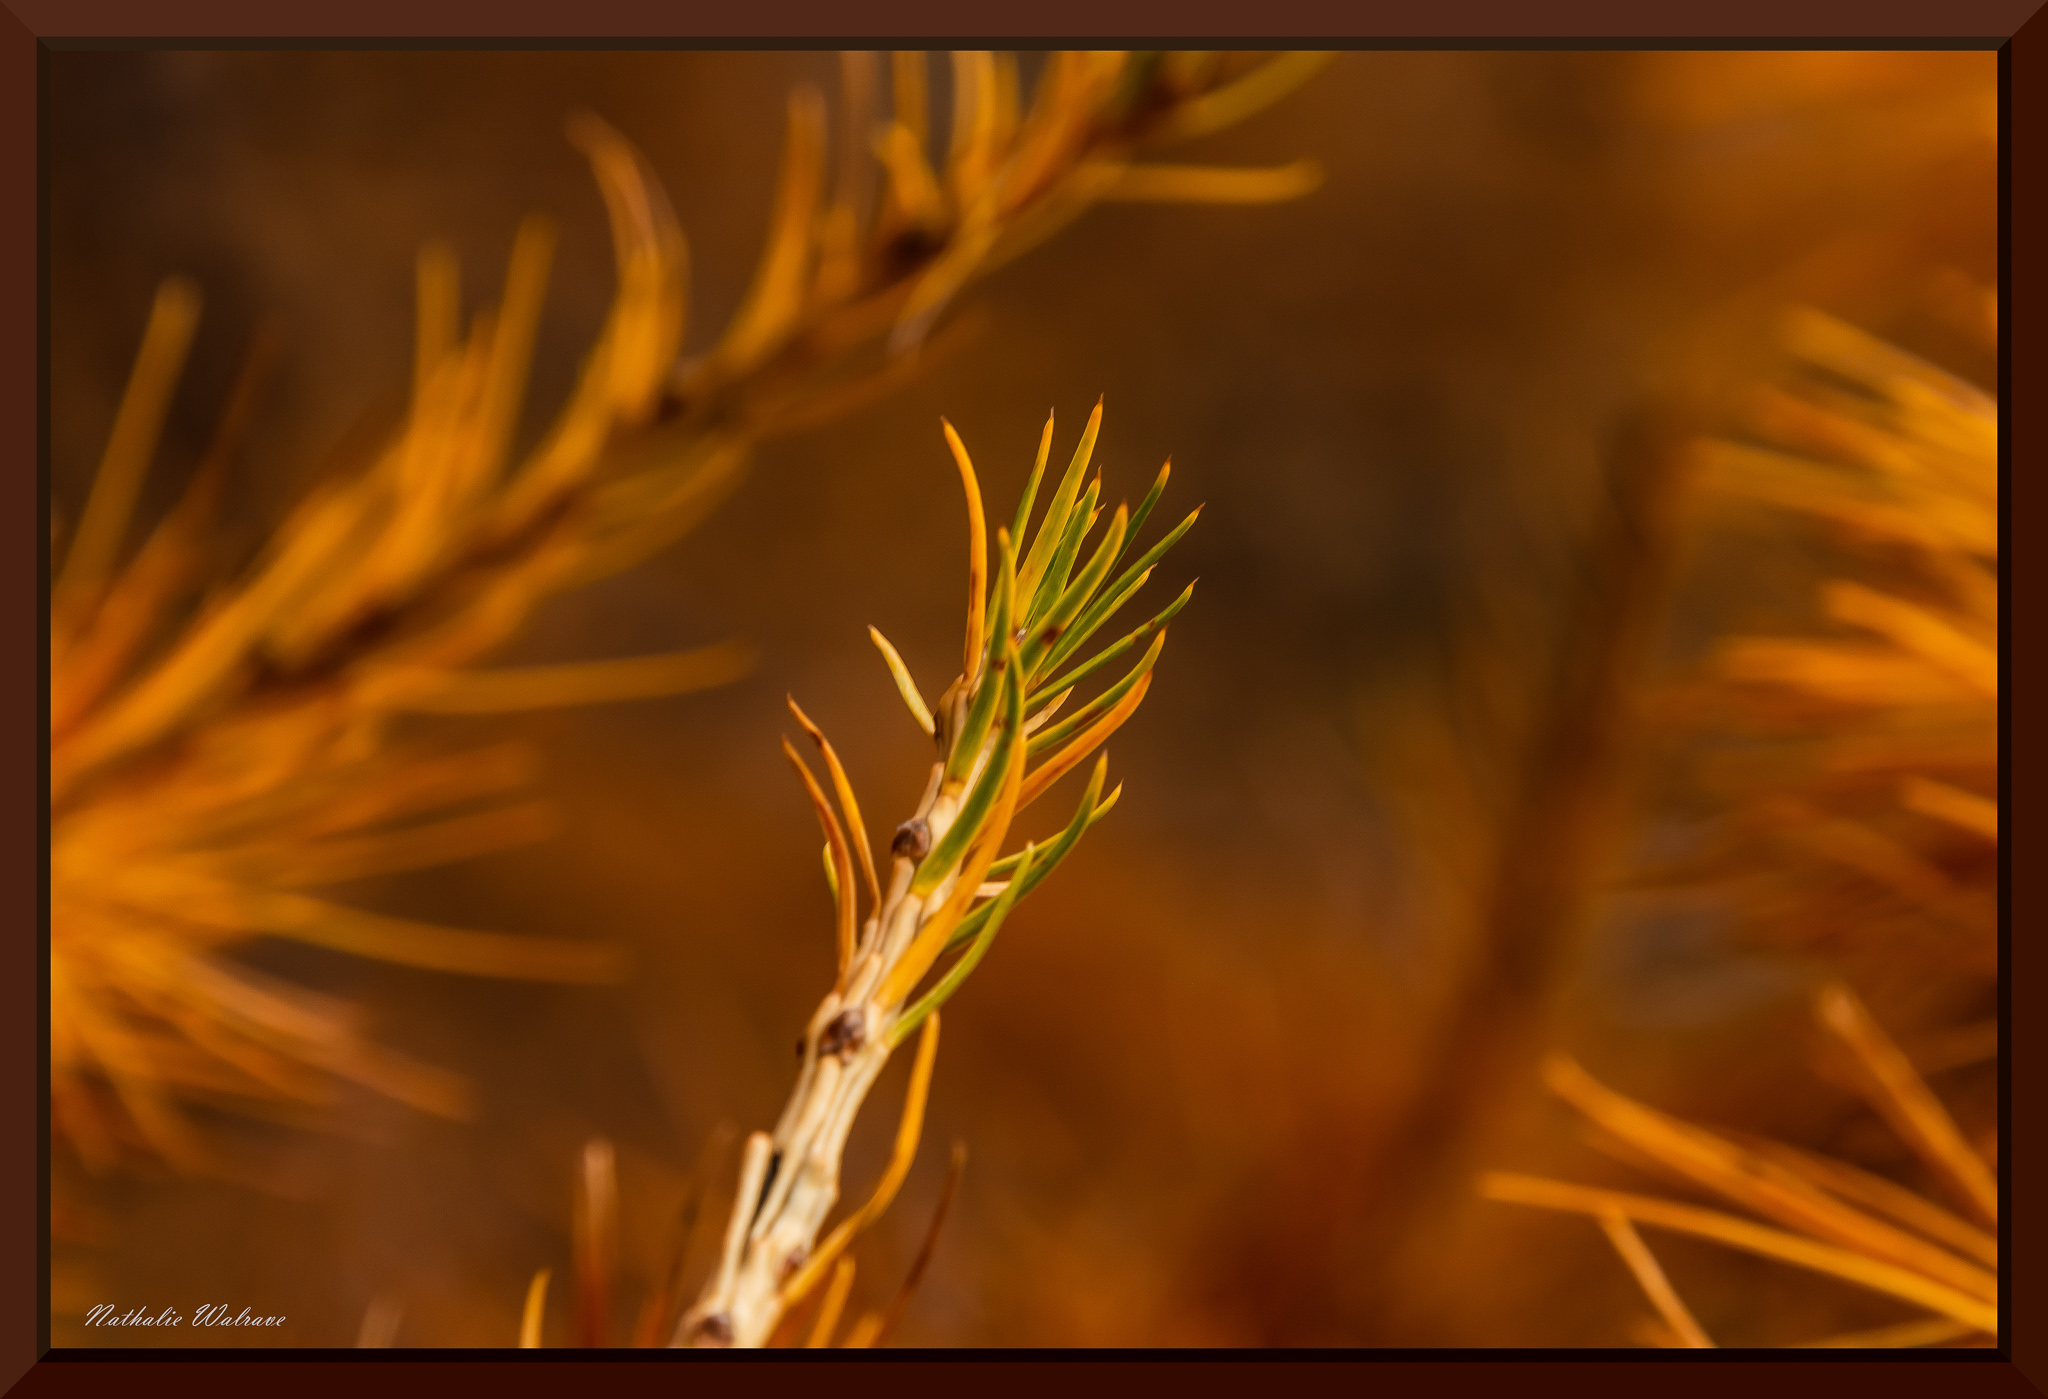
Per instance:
{"type": "Point", "coordinates": [211, 1314]}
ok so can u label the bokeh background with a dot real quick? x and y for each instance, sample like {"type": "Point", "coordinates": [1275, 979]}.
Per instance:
{"type": "Point", "coordinates": [1217, 1079]}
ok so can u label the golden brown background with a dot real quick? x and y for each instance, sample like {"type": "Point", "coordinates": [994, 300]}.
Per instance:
{"type": "Point", "coordinates": [1188, 1073]}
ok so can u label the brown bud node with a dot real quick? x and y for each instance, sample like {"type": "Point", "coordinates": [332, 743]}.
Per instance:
{"type": "Point", "coordinates": [913, 839]}
{"type": "Point", "coordinates": [846, 1034]}
{"type": "Point", "coordinates": [713, 1330]}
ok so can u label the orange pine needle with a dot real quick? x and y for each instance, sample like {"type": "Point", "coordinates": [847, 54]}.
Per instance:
{"type": "Point", "coordinates": [855, 826]}
{"type": "Point", "coordinates": [1751, 1238]}
{"type": "Point", "coordinates": [833, 1306]}
{"type": "Point", "coordinates": [597, 1243]}
{"type": "Point", "coordinates": [1903, 1097]}
{"type": "Point", "coordinates": [977, 555]}
{"type": "Point", "coordinates": [842, 859]}
{"type": "Point", "coordinates": [536, 1310]}
{"type": "Point", "coordinates": [1064, 761]}
{"type": "Point", "coordinates": [1650, 1276]}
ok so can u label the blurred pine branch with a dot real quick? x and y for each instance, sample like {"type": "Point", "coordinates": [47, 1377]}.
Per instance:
{"type": "Point", "coordinates": [217, 745]}
{"type": "Point", "coordinates": [1855, 782]}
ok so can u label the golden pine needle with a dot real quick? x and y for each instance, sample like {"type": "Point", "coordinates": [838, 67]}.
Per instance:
{"type": "Point", "coordinates": [1899, 1093]}
{"type": "Point", "coordinates": [637, 355]}
{"type": "Point", "coordinates": [842, 859]}
{"type": "Point", "coordinates": [834, 1304]}
{"type": "Point", "coordinates": [1928, 1332]}
{"type": "Point", "coordinates": [1064, 761]}
{"type": "Point", "coordinates": [1109, 697]}
{"type": "Point", "coordinates": [535, 1311]}
{"type": "Point", "coordinates": [511, 354]}
{"type": "Point", "coordinates": [1863, 358]}
{"type": "Point", "coordinates": [977, 555]}
{"type": "Point", "coordinates": [87, 660]}
{"type": "Point", "coordinates": [597, 1243]}
{"type": "Point", "coordinates": [380, 1325]}
{"type": "Point", "coordinates": [1874, 1192]}
{"type": "Point", "coordinates": [299, 862]}
{"type": "Point", "coordinates": [974, 123]}
{"type": "Point", "coordinates": [864, 1332]}
{"type": "Point", "coordinates": [911, 183]}
{"type": "Point", "coordinates": [1653, 1334]}
{"type": "Point", "coordinates": [420, 782]}
{"type": "Point", "coordinates": [1039, 556]}
{"type": "Point", "coordinates": [1796, 1187]}
{"type": "Point", "coordinates": [216, 904]}
{"type": "Point", "coordinates": [213, 655]}
{"type": "Point", "coordinates": [1751, 1238]}
{"type": "Point", "coordinates": [853, 187]}
{"type": "Point", "coordinates": [1052, 130]}
{"type": "Point", "coordinates": [907, 91]}
{"type": "Point", "coordinates": [1884, 861]}
{"type": "Point", "coordinates": [1030, 493]}
{"type": "Point", "coordinates": [1003, 114]}
{"type": "Point", "coordinates": [1840, 671]}
{"type": "Point", "coordinates": [1793, 483]}
{"type": "Point", "coordinates": [1965, 810]}
{"type": "Point", "coordinates": [1045, 713]}
{"type": "Point", "coordinates": [776, 297]}
{"type": "Point", "coordinates": [510, 690]}
{"type": "Point", "coordinates": [1650, 1277]}
{"type": "Point", "coordinates": [905, 686]}
{"type": "Point", "coordinates": [97, 541]}
{"type": "Point", "coordinates": [1229, 105]}
{"type": "Point", "coordinates": [1721, 1166]}
{"type": "Point", "coordinates": [855, 827]}
{"type": "Point", "coordinates": [1918, 632]}
{"type": "Point", "coordinates": [874, 1328]}
{"type": "Point", "coordinates": [1201, 184]}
